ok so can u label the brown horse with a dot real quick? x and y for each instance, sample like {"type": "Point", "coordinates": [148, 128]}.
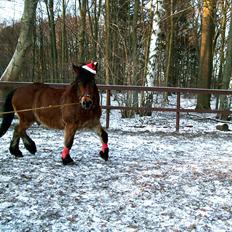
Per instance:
{"type": "Point", "coordinates": [73, 108]}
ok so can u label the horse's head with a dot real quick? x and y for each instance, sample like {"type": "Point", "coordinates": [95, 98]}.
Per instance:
{"type": "Point", "coordinates": [85, 80]}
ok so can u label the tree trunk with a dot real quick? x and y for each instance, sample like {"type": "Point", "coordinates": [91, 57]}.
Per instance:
{"type": "Point", "coordinates": [42, 61]}
{"type": "Point", "coordinates": [94, 28]}
{"type": "Point", "coordinates": [135, 64]}
{"type": "Point", "coordinates": [169, 71]}
{"type": "Point", "coordinates": [151, 68]}
{"type": "Point", "coordinates": [107, 42]}
{"type": "Point", "coordinates": [227, 71]}
{"type": "Point", "coordinates": [206, 52]}
{"type": "Point", "coordinates": [221, 52]}
{"type": "Point", "coordinates": [50, 12]}
{"type": "Point", "coordinates": [76, 36]}
{"type": "Point", "coordinates": [169, 67]}
{"type": "Point", "coordinates": [24, 42]}
{"type": "Point", "coordinates": [83, 11]}
{"type": "Point", "coordinates": [64, 55]}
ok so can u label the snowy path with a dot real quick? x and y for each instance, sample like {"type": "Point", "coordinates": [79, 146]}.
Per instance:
{"type": "Point", "coordinates": [154, 181]}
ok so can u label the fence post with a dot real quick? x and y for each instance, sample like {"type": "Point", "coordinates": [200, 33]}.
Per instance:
{"type": "Point", "coordinates": [108, 108]}
{"type": "Point", "coordinates": [178, 112]}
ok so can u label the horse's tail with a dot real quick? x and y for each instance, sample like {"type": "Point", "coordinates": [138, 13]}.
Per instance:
{"type": "Point", "coordinates": [8, 114]}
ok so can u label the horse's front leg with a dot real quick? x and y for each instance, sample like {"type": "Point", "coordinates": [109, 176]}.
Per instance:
{"type": "Point", "coordinates": [69, 133]}
{"type": "Point", "coordinates": [104, 153]}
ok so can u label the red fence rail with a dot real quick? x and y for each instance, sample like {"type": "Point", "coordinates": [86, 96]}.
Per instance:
{"type": "Point", "coordinates": [109, 88]}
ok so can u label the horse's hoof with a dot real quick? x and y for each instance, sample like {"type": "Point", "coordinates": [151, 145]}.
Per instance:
{"type": "Point", "coordinates": [20, 155]}
{"type": "Point", "coordinates": [104, 155]}
{"type": "Point", "coordinates": [67, 161]}
{"type": "Point", "coordinates": [16, 152]}
{"type": "Point", "coordinates": [31, 148]}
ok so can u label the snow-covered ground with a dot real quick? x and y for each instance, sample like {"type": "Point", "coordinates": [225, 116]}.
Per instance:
{"type": "Point", "coordinates": [155, 180]}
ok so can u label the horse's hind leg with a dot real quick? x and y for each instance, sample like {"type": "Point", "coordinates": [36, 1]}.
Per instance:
{"type": "Point", "coordinates": [27, 141]}
{"type": "Point", "coordinates": [14, 145]}
{"type": "Point", "coordinates": [20, 132]}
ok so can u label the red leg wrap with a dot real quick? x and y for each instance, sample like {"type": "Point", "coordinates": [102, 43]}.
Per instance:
{"type": "Point", "coordinates": [65, 153]}
{"type": "Point", "coordinates": [104, 147]}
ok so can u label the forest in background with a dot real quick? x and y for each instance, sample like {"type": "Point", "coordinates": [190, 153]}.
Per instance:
{"type": "Point", "coordinates": [190, 48]}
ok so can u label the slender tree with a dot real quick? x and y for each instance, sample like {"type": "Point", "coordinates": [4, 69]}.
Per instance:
{"type": "Point", "coordinates": [94, 17]}
{"type": "Point", "coordinates": [227, 71]}
{"type": "Point", "coordinates": [41, 52]}
{"type": "Point", "coordinates": [52, 30]}
{"type": "Point", "coordinates": [223, 23]}
{"type": "Point", "coordinates": [83, 12]}
{"type": "Point", "coordinates": [64, 55]}
{"type": "Point", "coordinates": [76, 36]}
{"type": "Point", "coordinates": [134, 48]}
{"type": "Point", "coordinates": [25, 41]}
{"type": "Point", "coordinates": [107, 42]}
{"type": "Point", "coordinates": [170, 47]}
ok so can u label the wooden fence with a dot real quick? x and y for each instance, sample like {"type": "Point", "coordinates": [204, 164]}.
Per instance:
{"type": "Point", "coordinates": [119, 88]}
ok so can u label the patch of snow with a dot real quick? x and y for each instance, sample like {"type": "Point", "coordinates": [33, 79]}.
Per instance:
{"type": "Point", "coordinates": [155, 180]}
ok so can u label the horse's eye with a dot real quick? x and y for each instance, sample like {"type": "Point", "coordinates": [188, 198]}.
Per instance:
{"type": "Point", "coordinates": [92, 83]}
{"type": "Point", "coordinates": [79, 83]}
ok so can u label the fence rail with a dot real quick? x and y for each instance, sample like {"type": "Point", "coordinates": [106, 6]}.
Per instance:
{"type": "Point", "coordinates": [109, 88]}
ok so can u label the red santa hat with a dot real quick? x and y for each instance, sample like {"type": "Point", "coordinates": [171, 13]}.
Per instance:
{"type": "Point", "coordinates": [91, 67]}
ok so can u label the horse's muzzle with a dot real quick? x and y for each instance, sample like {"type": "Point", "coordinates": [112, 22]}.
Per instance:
{"type": "Point", "coordinates": [86, 102]}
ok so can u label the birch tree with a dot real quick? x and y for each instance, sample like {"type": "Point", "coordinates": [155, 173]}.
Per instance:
{"type": "Point", "coordinates": [155, 6]}
{"type": "Point", "coordinates": [25, 41]}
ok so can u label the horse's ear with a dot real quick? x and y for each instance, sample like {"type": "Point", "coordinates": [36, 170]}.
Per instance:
{"type": "Point", "coordinates": [96, 65]}
{"type": "Point", "coordinates": [76, 68]}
